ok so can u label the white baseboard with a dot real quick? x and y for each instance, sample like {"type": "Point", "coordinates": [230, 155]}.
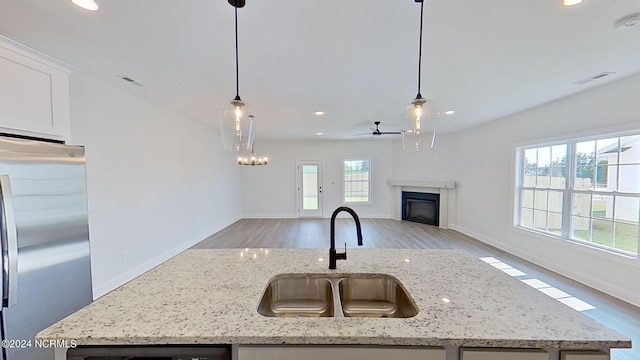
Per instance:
{"type": "Point", "coordinates": [269, 216]}
{"type": "Point", "coordinates": [295, 216]}
{"type": "Point", "coordinates": [104, 288]}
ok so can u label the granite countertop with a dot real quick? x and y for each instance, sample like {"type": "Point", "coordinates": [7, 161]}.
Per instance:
{"type": "Point", "coordinates": [211, 297]}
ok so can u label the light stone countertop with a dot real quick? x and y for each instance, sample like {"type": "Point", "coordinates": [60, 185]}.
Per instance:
{"type": "Point", "coordinates": [211, 297]}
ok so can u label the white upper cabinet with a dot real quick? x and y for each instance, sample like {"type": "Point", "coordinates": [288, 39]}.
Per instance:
{"type": "Point", "coordinates": [34, 94]}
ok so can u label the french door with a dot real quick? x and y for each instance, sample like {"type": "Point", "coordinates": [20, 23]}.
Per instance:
{"type": "Point", "coordinates": [309, 188]}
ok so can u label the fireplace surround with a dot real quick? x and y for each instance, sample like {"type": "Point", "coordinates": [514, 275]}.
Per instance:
{"type": "Point", "coordinates": [445, 188]}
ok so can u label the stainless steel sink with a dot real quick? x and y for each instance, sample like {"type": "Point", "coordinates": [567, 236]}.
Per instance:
{"type": "Point", "coordinates": [328, 295]}
{"type": "Point", "coordinates": [288, 295]}
{"type": "Point", "coordinates": [375, 296]}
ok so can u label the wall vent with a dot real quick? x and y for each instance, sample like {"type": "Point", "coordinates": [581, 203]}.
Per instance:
{"type": "Point", "coordinates": [593, 78]}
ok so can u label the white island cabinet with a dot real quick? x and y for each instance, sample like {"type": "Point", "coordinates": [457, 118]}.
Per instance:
{"type": "Point", "coordinates": [34, 93]}
{"type": "Point", "coordinates": [504, 354]}
{"type": "Point", "coordinates": [339, 353]}
{"type": "Point", "coordinates": [584, 355]}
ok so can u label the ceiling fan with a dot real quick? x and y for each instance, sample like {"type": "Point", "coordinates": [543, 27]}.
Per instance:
{"type": "Point", "coordinates": [378, 132]}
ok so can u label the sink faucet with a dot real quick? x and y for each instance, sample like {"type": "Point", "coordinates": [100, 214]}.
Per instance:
{"type": "Point", "coordinates": [333, 255]}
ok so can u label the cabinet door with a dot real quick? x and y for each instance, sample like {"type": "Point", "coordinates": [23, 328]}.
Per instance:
{"type": "Point", "coordinates": [34, 97]}
{"type": "Point", "coordinates": [339, 353]}
{"type": "Point", "coordinates": [503, 354]}
{"type": "Point", "coordinates": [584, 355]}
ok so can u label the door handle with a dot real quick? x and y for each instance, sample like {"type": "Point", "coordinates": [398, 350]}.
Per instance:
{"type": "Point", "coordinates": [9, 244]}
{"type": "Point", "coordinates": [320, 189]}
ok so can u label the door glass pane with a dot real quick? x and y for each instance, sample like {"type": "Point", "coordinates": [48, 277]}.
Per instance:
{"type": "Point", "coordinates": [310, 187]}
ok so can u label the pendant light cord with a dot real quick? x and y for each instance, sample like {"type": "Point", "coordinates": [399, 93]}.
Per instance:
{"type": "Point", "coordinates": [237, 67]}
{"type": "Point", "coordinates": [420, 50]}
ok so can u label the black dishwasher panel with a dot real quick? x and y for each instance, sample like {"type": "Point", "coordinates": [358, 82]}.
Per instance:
{"type": "Point", "coordinates": [208, 352]}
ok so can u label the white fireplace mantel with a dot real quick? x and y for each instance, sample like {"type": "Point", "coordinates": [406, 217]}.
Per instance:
{"type": "Point", "coordinates": [439, 184]}
{"type": "Point", "coordinates": [442, 187]}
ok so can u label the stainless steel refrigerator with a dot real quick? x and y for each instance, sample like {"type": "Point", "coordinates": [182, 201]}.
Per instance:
{"type": "Point", "coordinates": [46, 266]}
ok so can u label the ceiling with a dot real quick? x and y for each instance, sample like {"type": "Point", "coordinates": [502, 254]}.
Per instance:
{"type": "Point", "coordinates": [356, 60]}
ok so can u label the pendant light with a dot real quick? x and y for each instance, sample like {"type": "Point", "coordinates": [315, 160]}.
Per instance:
{"type": "Point", "coordinates": [236, 118]}
{"type": "Point", "coordinates": [422, 114]}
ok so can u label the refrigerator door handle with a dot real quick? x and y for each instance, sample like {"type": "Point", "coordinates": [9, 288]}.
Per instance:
{"type": "Point", "coordinates": [9, 240]}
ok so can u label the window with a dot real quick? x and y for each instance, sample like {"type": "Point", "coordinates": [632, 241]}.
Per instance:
{"type": "Point", "coordinates": [586, 190]}
{"type": "Point", "coordinates": [357, 181]}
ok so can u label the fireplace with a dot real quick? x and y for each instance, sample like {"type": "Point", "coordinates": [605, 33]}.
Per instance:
{"type": "Point", "coordinates": [421, 207]}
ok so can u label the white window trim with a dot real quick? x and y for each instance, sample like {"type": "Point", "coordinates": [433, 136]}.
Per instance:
{"type": "Point", "coordinates": [568, 191]}
{"type": "Point", "coordinates": [342, 182]}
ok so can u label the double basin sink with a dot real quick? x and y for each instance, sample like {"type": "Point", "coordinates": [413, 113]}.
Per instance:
{"type": "Point", "coordinates": [336, 295]}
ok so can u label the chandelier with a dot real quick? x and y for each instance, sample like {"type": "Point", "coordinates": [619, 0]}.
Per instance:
{"type": "Point", "coordinates": [253, 160]}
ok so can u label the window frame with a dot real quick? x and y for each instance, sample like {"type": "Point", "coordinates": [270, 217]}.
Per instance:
{"type": "Point", "coordinates": [569, 192]}
{"type": "Point", "coordinates": [343, 195]}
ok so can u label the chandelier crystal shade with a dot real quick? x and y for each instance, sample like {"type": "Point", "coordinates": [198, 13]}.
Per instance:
{"type": "Point", "coordinates": [421, 114]}
{"type": "Point", "coordinates": [236, 118]}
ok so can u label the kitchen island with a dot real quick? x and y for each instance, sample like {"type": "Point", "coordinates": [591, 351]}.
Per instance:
{"type": "Point", "coordinates": [211, 297]}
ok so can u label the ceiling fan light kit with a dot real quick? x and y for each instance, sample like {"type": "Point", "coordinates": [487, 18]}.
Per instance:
{"type": "Point", "coordinates": [236, 118]}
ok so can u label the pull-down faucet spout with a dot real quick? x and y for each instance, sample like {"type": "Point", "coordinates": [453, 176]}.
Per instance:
{"type": "Point", "coordinates": [333, 255]}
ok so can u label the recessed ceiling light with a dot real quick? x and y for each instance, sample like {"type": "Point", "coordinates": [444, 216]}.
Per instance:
{"type": "Point", "coordinates": [86, 4]}
{"type": "Point", "coordinates": [319, 133]}
{"type": "Point", "coordinates": [449, 112]}
{"type": "Point", "coordinates": [319, 113]}
{"type": "Point", "coordinates": [571, 2]}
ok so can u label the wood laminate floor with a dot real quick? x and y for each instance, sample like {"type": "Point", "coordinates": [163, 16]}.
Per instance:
{"type": "Point", "coordinates": [388, 233]}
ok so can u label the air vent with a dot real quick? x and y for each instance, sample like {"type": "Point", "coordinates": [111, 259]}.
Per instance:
{"type": "Point", "coordinates": [130, 80]}
{"type": "Point", "coordinates": [593, 78]}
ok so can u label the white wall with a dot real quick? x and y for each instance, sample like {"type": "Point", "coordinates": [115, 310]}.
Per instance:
{"type": "Point", "coordinates": [157, 182]}
{"type": "Point", "coordinates": [484, 160]}
{"type": "Point", "coordinates": [270, 191]}
{"type": "Point", "coordinates": [426, 164]}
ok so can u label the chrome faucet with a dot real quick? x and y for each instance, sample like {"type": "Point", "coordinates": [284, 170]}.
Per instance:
{"type": "Point", "coordinates": [333, 255]}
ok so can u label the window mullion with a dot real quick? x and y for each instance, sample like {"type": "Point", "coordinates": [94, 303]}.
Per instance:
{"type": "Point", "coordinates": [567, 203]}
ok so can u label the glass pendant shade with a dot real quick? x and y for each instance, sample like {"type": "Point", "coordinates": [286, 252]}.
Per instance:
{"type": "Point", "coordinates": [422, 118]}
{"type": "Point", "coordinates": [237, 125]}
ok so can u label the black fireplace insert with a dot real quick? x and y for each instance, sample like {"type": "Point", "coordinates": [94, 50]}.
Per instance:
{"type": "Point", "coordinates": [421, 207]}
